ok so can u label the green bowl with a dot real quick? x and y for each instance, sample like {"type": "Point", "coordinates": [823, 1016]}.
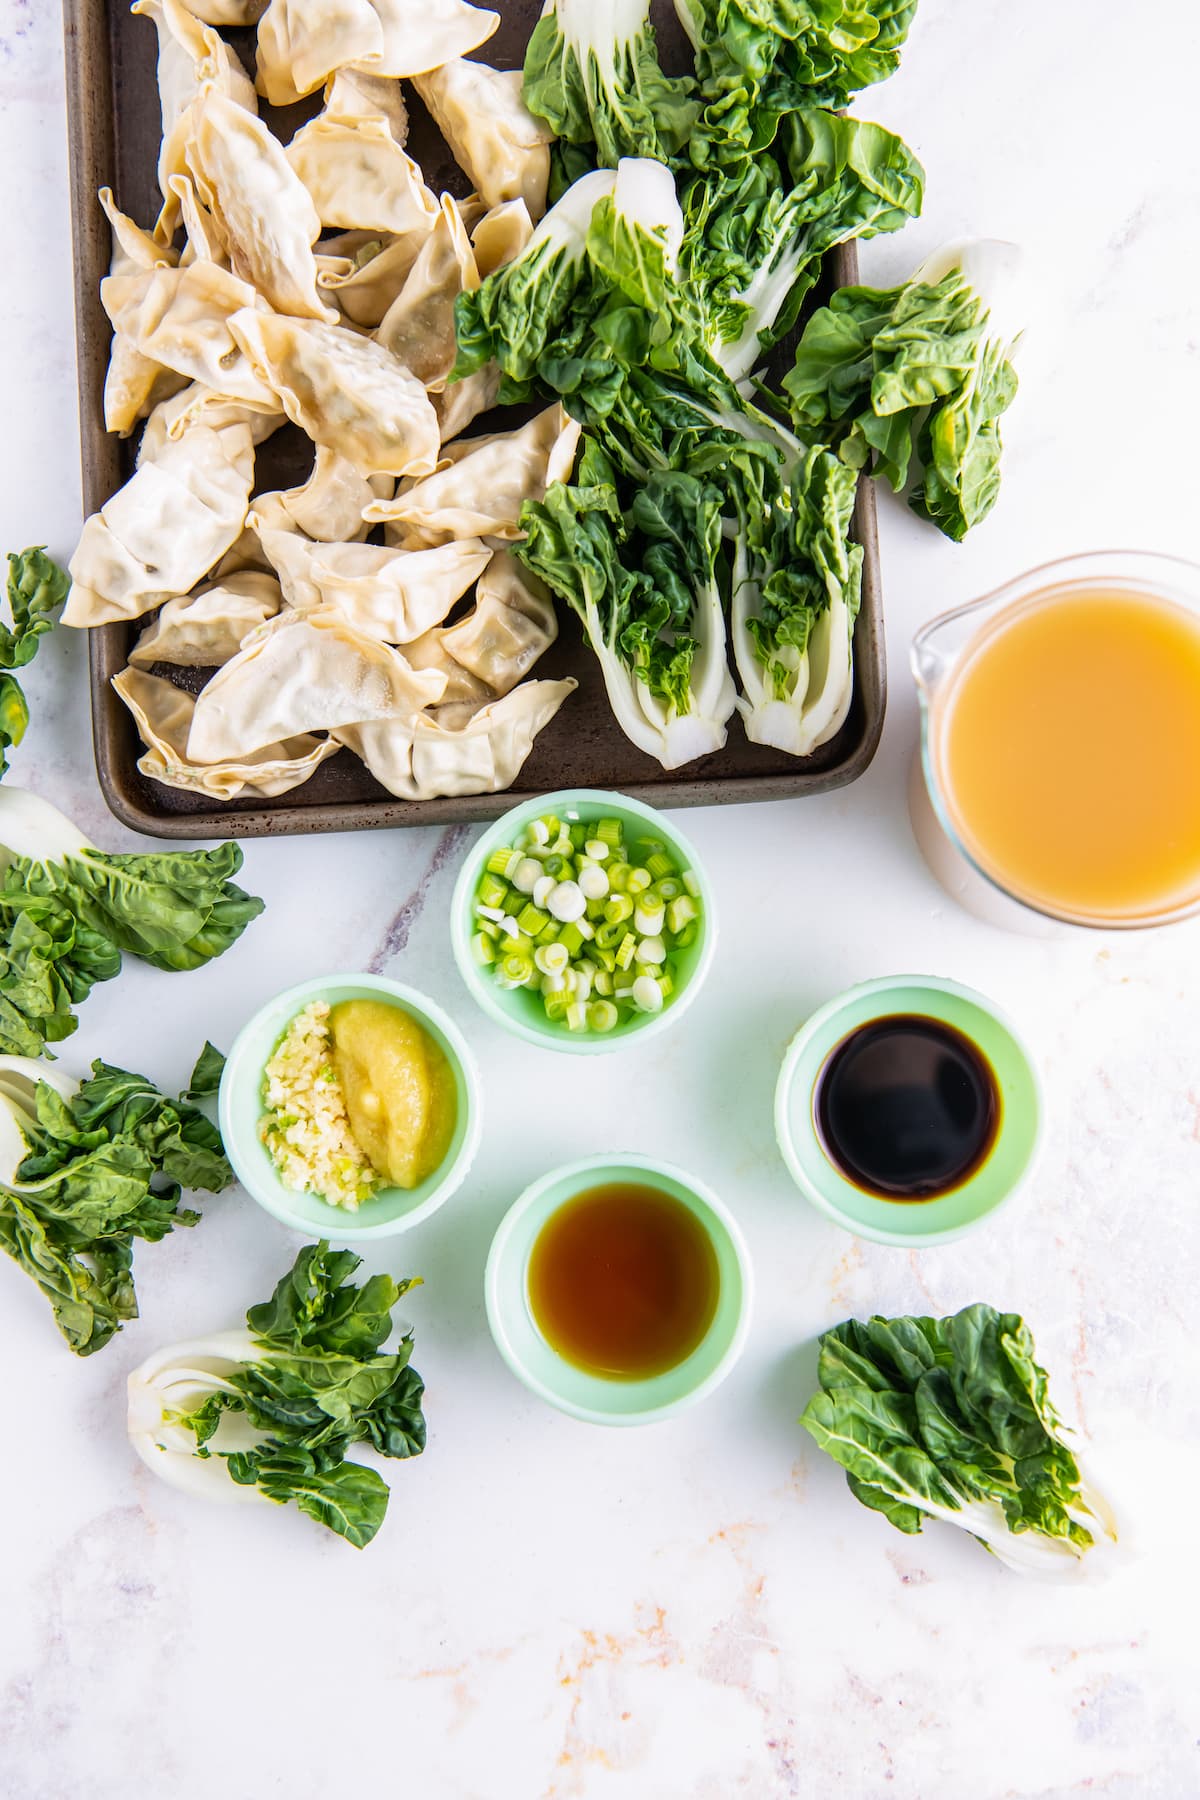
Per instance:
{"type": "Point", "coordinates": [593, 1398]}
{"type": "Point", "coordinates": [389, 1211]}
{"type": "Point", "coordinates": [520, 1011]}
{"type": "Point", "coordinates": [909, 1223]}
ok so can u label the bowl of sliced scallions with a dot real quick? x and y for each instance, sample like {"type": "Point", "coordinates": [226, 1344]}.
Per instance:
{"type": "Point", "coordinates": [582, 921]}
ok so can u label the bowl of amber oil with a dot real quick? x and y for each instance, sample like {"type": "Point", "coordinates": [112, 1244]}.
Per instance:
{"type": "Point", "coordinates": [619, 1289]}
{"type": "Point", "coordinates": [909, 1110]}
{"type": "Point", "coordinates": [399, 1072]}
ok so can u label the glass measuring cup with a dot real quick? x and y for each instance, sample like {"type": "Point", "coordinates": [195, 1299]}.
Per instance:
{"type": "Point", "coordinates": [940, 653]}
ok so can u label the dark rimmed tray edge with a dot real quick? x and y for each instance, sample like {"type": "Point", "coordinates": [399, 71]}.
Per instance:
{"type": "Point", "coordinates": [92, 150]}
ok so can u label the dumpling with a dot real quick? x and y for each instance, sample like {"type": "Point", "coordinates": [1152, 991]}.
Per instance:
{"type": "Point", "coordinates": [162, 532]}
{"type": "Point", "coordinates": [196, 404]}
{"type": "Point", "coordinates": [344, 391]}
{"type": "Point", "coordinates": [304, 672]}
{"type": "Point", "coordinates": [500, 236]}
{"type": "Point", "coordinates": [192, 59]}
{"type": "Point", "coordinates": [206, 241]}
{"type": "Point", "coordinates": [459, 403]}
{"type": "Point", "coordinates": [302, 42]}
{"type": "Point", "coordinates": [418, 327]}
{"type": "Point", "coordinates": [365, 281]}
{"type": "Point", "coordinates": [227, 12]}
{"type": "Point", "coordinates": [328, 506]}
{"type": "Point", "coordinates": [134, 383]}
{"type": "Point", "coordinates": [180, 318]}
{"type": "Point", "coordinates": [487, 483]}
{"type": "Point", "coordinates": [511, 624]}
{"type": "Point", "coordinates": [495, 139]}
{"type": "Point", "coordinates": [263, 211]}
{"type": "Point", "coordinates": [208, 628]}
{"type": "Point", "coordinates": [164, 718]}
{"type": "Point", "coordinates": [458, 749]}
{"type": "Point", "coordinates": [393, 595]}
{"type": "Point", "coordinates": [357, 94]}
{"type": "Point", "coordinates": [422, 34]}
{"type": "Point", "coordinates": [360, 176]}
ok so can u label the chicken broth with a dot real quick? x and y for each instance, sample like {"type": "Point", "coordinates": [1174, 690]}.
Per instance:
{"type": "Point", "coordinates": [1067, 749]}
{"type": "Point", "coordinates": [623, 1281]}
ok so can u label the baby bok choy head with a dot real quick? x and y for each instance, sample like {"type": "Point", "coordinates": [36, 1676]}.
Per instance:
{"type": "Point", "coordinates": [951, 1419]}
{"type": "Point", "coordinates": [68, 911]}
{"type": "Point", "coordinates": [269, 1412]}
{"type": "Point", "coordinates": [642, 575]}
{"type": "Point", "coordinates": [86, 1169]}
{"type": "Point", "coordinates": [913, 380]}
{"type": "Point", "coordinates": [37, 587]}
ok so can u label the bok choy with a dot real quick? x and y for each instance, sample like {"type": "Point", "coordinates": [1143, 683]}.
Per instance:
{"type": "Point", "coordinates": [86, 1169]}
{"type": "Point", "coordinates": [37, 587]}
{"type": "Point", "coordinates": [642, 577]}
{"type": "Point", "coordinates": [951, 1419]}
{"type": "Point", "coordinates": [269, 1412]}
{"type": "Point", "coordinates": [913, 380]}
{"type": "Point", "coordinates": [68, 911]}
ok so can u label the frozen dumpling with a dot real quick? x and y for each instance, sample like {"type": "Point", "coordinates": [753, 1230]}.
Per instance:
{"type": "Point", "coordinates": [206, 629]}
{"type": "Point", "coordinates": [393, 595]}
{"type": "Point", "coordinates": [495, 139]}
{"type": "Point", "coordinates": [458, 749]}
{"type": "Point", "coordinates": [487, 483]}
{"type": "Point", "coordinates": [304, 672]}
{"type": "Point", "coordinates": [418, 327]}
{"type": "Point", "coordinates": [262, 209]}
{"type": "Point", "coordinates": [161, 533]}
{"type": "Point", "coordinates": [344, 391]}
{"type": "Point", "coordinates": [164, 717]}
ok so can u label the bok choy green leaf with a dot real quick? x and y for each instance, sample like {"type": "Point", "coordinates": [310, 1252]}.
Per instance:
{"type": "Point", "coordinates": [68, 911]}
{"type": "Point", "coordinates": [951, 1419]}
{"type": "Point", "coordinates": [37, 587]}
{"type": "Point", "coordinates": [270, 1412]}
{"type": "Point", "coordinates": [87, 1169]}
{"type": "Point", "coordinates": [592, 73]}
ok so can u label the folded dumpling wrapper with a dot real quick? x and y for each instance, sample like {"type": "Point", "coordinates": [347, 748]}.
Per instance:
{"type": "Point", "coordinates": [344, 391]}
{"type": "Point", "coordinates": [227, 12]}
{"type": "Point", "coordinates": [393, 595]}
{"type": "Point", "coordinates": [494, 138]}
{"type": "Point", "coordinates": [206, 629]}
{"type": "Point", "coordinates": [160, 534]}
{"type": "Point", "coordinates": [360, 177]}
{"type": "Point", "coordinates": [458, 749]}
{"type": "Point", "coordinates": [327, 507]}
{"type": "Point", "coordinates": [301, 43]}
{"type": "Point", "coordinates": [459, 403]}
{"type": "Point", "coordinates": [500, 236]}
{"type": "Point", "coordinates": [354, 93]}
{"type": "Point", "coordinates": [195, 404]}
{"type": "Point", "coordinates": [305, 672]}
{"type": "Point", "coordinates": [164, 715]}
{"type": "Point", "coordinates": [511, 625]}
{"type": "Point", "coordinates": [192, 59]}
{"type": "Point", "coordinates": [487, 482]}
{"type": "Point", "coordinates": [134, 383]}
{"type": "Point", "coordinates": [418, 327]}
{"type": "Point", "coordinates": [180, 319]}
{"type": "Point", "coordinates": [365, 280]}
{"type": "Point", "coordinates": [262, 209]}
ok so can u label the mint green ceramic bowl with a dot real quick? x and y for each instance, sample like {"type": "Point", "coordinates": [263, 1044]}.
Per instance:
{"type": "Point", "coordinates": [389, 1211]}
{"type": "Point", "coordinates": [910, 1224]}
{"type": "Point", "coordinates": [520, 1011]}
{"type": "Point", "coordinates": [592, 1398]}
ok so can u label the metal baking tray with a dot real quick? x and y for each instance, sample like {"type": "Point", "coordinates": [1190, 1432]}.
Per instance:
{"type": "Point", "coordinates": [113, 124]}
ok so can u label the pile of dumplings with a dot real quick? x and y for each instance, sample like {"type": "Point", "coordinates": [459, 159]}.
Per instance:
{"type": "Point", "coordinates": [315, 283]}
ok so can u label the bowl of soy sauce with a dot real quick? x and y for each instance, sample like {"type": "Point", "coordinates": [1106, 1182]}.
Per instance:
{"type": "Point", "coordinates": [909, 1109]}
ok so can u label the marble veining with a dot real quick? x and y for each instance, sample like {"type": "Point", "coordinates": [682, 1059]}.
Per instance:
{"type": "Point", "coordinates": [698, 1611]}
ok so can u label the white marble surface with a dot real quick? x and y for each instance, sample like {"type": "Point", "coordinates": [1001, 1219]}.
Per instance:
{"type": "Point", "coordinates": [697, 1611]}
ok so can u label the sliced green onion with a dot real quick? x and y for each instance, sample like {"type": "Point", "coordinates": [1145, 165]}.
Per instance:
{"type": "Point", "coordinates": [502, 862]}
{"type": "Point", "coordinates": [681, 912]}
{"type": "Point", "coordinates": [648, 916]}
{"type": "Point", "coordinates": [517, 967]}
{"type": "Point", "coordinates": [637, 881]}
{"type": "Point", "coordinates": [492, 891]}
{"type": "Point", "coordinates": [610, 831]}
{"type": "Point", "coordinates": [539, 832]}
{"type": "Point", "coordinates": [551, 959]}
{"type": "Point", "coordinates": [513, 944]}
{"type": "Point", "coordinates": [687, 936]}
{"type": "Point", "coordinates": [602, 983]}
{"type": "Point", "coordinates": [597, 849]}
{"type": "Point", "coordinates": [527, 874]}
{"type": "Point", "coordinates": [483, 947]}
{"type": "Point", "coordinates": [659, 865]}
{"type": "Point", "coordinates": [691, 882]}
{"type": "Point", "coordinates": [602, 1015]}
{"type": "Point", "coordinates": [625, 950]}
{"type": "Point", "coordinates": [572, 938]}
{"type": "Point", "coordinates": [577, 1016]}
{"type": "Point", "coordinates": [532, 920]}
{"type": "Point", "coordinates": [556, 1004]}
{"type": "Point", "coordinates": [618, 908]}
{"type": "Point", "coordinates": [650, 950]}
{"type": "Point", "coordinates": [668, 887]}
{"type": "Point", "coordinates": [618, 875]}
{"type": "Point", "coordinates": [647, 995]}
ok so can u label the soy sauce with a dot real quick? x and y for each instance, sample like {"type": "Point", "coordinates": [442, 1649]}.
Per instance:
{"type": "Point", "coordinates": [623, 1281]}
{"type": "Point", "coordinates": [907, 1107]}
